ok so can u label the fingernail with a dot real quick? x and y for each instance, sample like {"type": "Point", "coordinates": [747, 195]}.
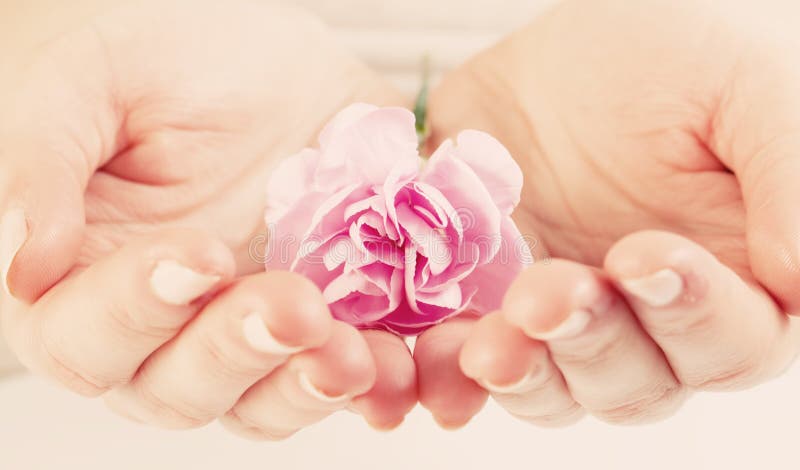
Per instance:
{"type": "Point", "coordinates": [175, 284]}
{"type": "Point", "coordinates": [311, 389]}
{"type": "Point", "coordinates": [572, 326]}
{"type": "Point", "coordinates": [523, 385]}
{"type": "Point", "coordinates": [658, 289]}
{"type": "Point", "coordinates": [259, 337]}
{"type": "Point", "coordinates": [13, 233]}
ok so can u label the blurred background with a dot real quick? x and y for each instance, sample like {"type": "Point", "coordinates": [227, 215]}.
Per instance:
{"type": "Point", "coordinates": [43, 427]}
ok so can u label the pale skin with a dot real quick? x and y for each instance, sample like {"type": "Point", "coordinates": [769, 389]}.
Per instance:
{"type": "Point", "coordinates": [659, 142]}
{"type": "Point", "coordinates": [162, 136]}
{"type": "Point", "coordinates": [158, 124]}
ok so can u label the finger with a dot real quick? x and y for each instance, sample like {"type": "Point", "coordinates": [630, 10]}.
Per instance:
{"type": "Point", "coordinates": [59, 126]}
{"type": "Point", "coordinates": [611, 366]}
{"type": "Point", "coordinates": [451, 397]}
{"type": "Point", "coordinates": [717, 331]}
{"type": "Point", "coordinates": [94, 330]}
{"type": "Point", "coordinates": [241, 336]}
{"type": "Point", "coordinates": [518, 372]}
{"type": "Point", "coordinates": [395, 391]}
{"type": "Point", "coordinates": [309, 387]}
{"type": "Point", "coordinates": [41, 227]}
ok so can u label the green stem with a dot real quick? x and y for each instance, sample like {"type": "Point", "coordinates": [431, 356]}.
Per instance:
{"type": "Point", "coordinates": [421, 105]}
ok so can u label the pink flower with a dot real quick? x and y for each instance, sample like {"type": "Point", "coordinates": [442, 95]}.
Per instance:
{"type": "Point", "coordinates": [394, 241]}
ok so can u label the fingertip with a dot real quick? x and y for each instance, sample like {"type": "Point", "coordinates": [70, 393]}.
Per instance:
{"type": "Point", "coordinates": [444, 390]}
{"type": "Point", "coordinates": [296, 312]}
{"type": "Point", "coordinates": [342, 367]}
{"type": "Point", "coordinates": [182, 267]}
{"type": "Point", "coordinates": [476, 357]}
{"type": "Point", "coordinates": [198, 249]}
{"type": "Point", "coordinates": [555, 301]}
{"type": "Point", "coordinates": [644, 252]}
{"type": "Point", "coordinates": [496, 352]}
{"type": "Point", "coordinates": [394, 394]}
{"type": "Point", "coordinates": [452, 423]}
{"type": "Point", "coordinates": [41, 245]}
{"type": "Point", "coordinates": [659, 268]}
{"type": "Point", "coordinates": [386, 426]}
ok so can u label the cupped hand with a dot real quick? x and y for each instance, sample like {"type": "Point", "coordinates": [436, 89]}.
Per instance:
{"type": "Point", "coordinates": [659, 141]}
{"type": "Point", "coordinates": [134, 155]}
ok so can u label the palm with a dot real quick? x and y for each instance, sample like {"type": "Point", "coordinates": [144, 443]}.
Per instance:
{"type": "Point", "coordinates": [230, 97]}
{"type": "Point", "coordinates": [612, 138]}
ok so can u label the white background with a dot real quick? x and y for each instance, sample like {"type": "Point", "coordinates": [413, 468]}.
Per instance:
{"type": "Point", "coordinates": [45, 428]}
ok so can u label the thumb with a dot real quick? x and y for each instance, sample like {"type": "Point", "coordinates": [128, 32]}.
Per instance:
{"type": "Point", "coordinates": [759, 139]}
{"type": "Point", "coordinates": [56, 128]}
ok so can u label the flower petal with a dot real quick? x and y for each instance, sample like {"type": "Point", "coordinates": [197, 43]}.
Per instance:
{"type": "Point", "coordinates": [449, 297]}
{"type": "Point", "coordinates": [346, 284]}
{"type": "Point", "coordinates": [328, 219]}
{"type": "Point", "coordinates": [291, 180]}
{"type": "Point", "coordinates": [491, 280]}
{"type": "Point", "coordinates": [405, 321]}
{"type": "Point", "coordinates": [437, 208]}
{"type": "Point", "coordinates": [490, 160]}
{"type": "Point", "coordinates": [409, 271]}
{"type": "Point", "coordinates": [368, 148]}
{"type": "Point", "coordinates": [480, 217]}
{"type": "Point", "coordinates": [428, 241]}
{"type": "Point", "coordinates": [285, 235]}
{"type": "Point", "coordinates": [401, 175]}
{"type": "Point", "coordinates": [343, 120]}
{"type": "Point", "coordinates": [375, 246]}
{"type": "Point", "coordinates": [365, 295]}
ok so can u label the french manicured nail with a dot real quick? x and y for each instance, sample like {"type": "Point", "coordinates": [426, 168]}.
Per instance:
{"type": "Point", "coordinates": [658, 289]}
{"type": "Point", "coordinates": [523, 385]}
{"type": "Point", "coordinates": [572, 326]}
{"type": "Point", "coordinates": [175, 284]}
{"type": "Point", "coordinates": [259, 337]}
{"type": "Point", "coordinates": [311, 389]}
{"type": "Point", "coordinates": [13, 233]}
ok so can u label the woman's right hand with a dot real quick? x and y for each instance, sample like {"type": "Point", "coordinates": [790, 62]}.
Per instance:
{"type": "Point", "coordinates": [660, 145]}
{"type": "Point", "coordinates": [134, 152]}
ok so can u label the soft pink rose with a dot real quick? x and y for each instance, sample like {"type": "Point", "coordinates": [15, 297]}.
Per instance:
{"type": "Point", "coordinates": [392, 240]}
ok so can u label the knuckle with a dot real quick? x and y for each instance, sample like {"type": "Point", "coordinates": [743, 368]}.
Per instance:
{"type": "Point", "coordinates": [237, 424]}
{"type": "Point", "coordinates": [175, 412]}
{"type": "Point", "coordinates": [555, 419]}
{"type": "Point", "coordinates": [76, 382]}
{"type": "Point", "coordinates": [544, 396]}
{"type": "Point", "coordinates": [86, 368]}
{"type": "Point", "coordinates": [226, 364]}
{"type": "Point", "coordinates": [700, 321]}
{"type": "Point", "coordinates": [140, 323]}
{"type": "Point", "coordinates": [57, 366]}
{"type": "Point", "coordinates": [644, 407]}
{"type": "Point", "coordinates": [742, 373]}
{"type": "Point", "coordinates": [588, 355]}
